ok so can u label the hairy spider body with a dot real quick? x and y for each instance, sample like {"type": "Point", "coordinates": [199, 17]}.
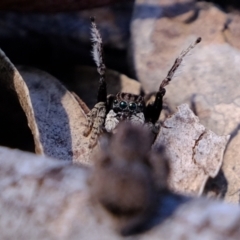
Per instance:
{"type": "Point", "coordinates": [110, 110]}
{"type": "Point", "coordinates": [124, 107]}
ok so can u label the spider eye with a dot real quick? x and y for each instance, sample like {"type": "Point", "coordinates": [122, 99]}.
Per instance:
{"type": "Point", "coordinates": [123, 105]}
{"type": "Point", "coordinates": [132, 106]}
{"type": "Point", "coordinates": [115, 102]}
{"type": "Point", "coordinates": [140, 106]}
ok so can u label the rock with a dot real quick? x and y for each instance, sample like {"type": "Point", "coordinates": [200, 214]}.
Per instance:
{"type": "Point", "coordinates": [209, 78]}
{"type": "Point", "coordinates": [42, 198]}
{"type": "Point", "coordinates": [159, 39]}
{"type": "Point", "coordinates": [55, 117]}
{"type": "Point", "coordinates": [232, 31]}
{"type": "Point", "coordinates": [195, 153]}
{"type": "Point", "coordinates": [52, 113]}
{"type": "Point", "coordinates": [231, 168]}
{"type": "Point", "coordinates": [52, 6]}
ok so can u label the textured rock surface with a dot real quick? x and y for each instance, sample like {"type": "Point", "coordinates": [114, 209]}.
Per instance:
{"type": "Point", "coordinates": [41, 198]}
{"type": "Point", "coordinates": [162, 29]}
{"type": "Point", "coordinates": [232, 31]}
{"type": "Point", "coordinates": [53, 114]}
{"type": "Point", "coordinates": [57, 121]}
{"type": "Point", "coordinates": [195, 153]}
{"type": "Point", "coordinates": [209, 77]}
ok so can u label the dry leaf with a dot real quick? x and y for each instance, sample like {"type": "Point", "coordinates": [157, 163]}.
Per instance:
{"type": "Point", "coordinates": [195, 152]}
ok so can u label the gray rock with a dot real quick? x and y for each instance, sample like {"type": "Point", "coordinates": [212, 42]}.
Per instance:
{"type": "Point", "coordinates": [42, 198]}
{"type": "Point", "coordinates": [71, 28]}
{"type": "Point", "coordinates": [209, 77]}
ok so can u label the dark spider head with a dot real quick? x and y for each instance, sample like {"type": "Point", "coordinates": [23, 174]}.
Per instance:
{"type": "Point", "coordinates": [126, 104]}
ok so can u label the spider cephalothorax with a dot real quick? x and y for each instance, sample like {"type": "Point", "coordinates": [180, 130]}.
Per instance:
{"type": "Point", "coordinates": [124, 107]}
{"type": "Point", "coordinates": [110, 110]}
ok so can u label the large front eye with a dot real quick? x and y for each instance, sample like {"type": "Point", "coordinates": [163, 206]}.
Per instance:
{"type": "Point", "coordinates": [132, 106]}
{"type": "Point", "coordinates": [115, 102]}
{"type": "Point", "coordinates": [123, 105]}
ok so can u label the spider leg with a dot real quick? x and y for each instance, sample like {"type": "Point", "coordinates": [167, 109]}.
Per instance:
{"type": "Point", "coordinates": [98, 58]}
{"type": "Point", "coordinates": [177, 63]}
{"type": "Point", "coordinates": [97, 122]}
{"type": "Point", "coordinates": [153, 111]}
{"type": "Point", "coordinates": [90, 119]}
{"type": "Point", "coordinates": [96, 118]}
{"type": "Point", "coordinates": [97, 115]}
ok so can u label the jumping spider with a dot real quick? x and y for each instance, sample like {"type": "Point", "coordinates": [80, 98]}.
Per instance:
{"type": "Point", "coordinates": [110, 110]}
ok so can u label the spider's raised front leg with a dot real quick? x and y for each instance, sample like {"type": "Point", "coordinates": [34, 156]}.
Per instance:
{"type": "Point", "coordinates": [96, 117]}
{"type": "Point", "coordinates": [153, 110]}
